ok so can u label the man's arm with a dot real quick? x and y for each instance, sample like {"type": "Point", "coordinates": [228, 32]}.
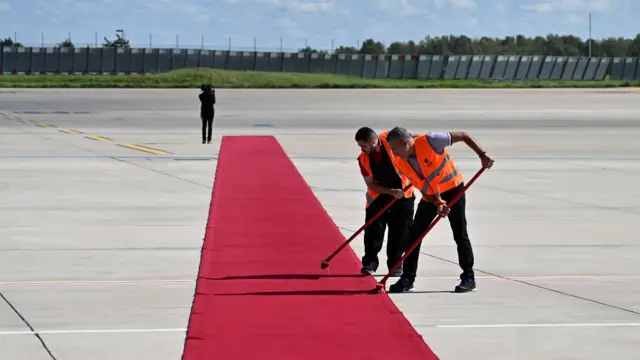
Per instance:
{"type": "Point", "coordinates": [469, 140]}
{"type": "Point", "coordinates": [373, 185]}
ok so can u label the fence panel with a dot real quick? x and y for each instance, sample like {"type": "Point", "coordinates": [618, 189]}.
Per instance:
{"type": "Point", "coordinates": [512, 67]}
{"type": "Point", "coordinates": [9, 60]}
{"type": "Point", "coordinates": [603, 69]}
{"type": "Point", "coordinates": [315, 63]}
{"type": "Point", "coordinates": [23, 60]}
{"type": "Point", "coordinates": [581, 67]}
{"type": "Point", "coordinates": [150, 61]}
{"type": "Point", "coordinates": [475, 67]}
{"type": "Point", "coordinates": [248, 61]}
{"type": "Point", "coordinates": [592, 67]}
{"type": "Point", "coordinates": [451, 67]}
{"type": "Point", "coordinates": [66, 60]}
{"type": "Point", "coordinates": [463, 67]}
{"type": "Point", "coordinates": [617, 68]}
{"type": "Point", "coordinates": [220, 59]}
{"type": "Point", "coordinates": [85, 60]}
{"type": "Point", "coordinates": [234, 61]}
{"type": "Point", "coordinates": [558, 68]}
{"type": "Point", "coordinates": [275, 61]}
{"type": "Point", "coordinates": [523, 68]}
{"type": "Point", "coordinates": [499, 68]}
{"type": "Point", "coordinates": [569, 68]}
{"type": "Point", "coordinates": [382, 66]}
{"type": "Point", "coordinates": [424, 65]}
{"type": "Point", "coordinates": [38, 60]}
{"type": "Point", "coordinates": [410, 69]}
{"type": "Point", "coordinates": [629, 69]}
{"type": "Point", "coordinates": [369, 66]}
{"type": "Point", "coordinates": [437, 66]}
{"type": "Point", "coordinates": [164, 60]}
{"type": "Point", "coordinates": [488, 63]}
{"type": "Point", "coordinates": [262, 62]}
{"type": "Point", "coordinates": [534, 68]}
{"type": "Point", "coordinates": [395, 68]}
{"type": "Point", "coordinates": [136, 61]}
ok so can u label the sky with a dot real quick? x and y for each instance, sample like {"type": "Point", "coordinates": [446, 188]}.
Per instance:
{"type": "Point", "coordinates": [261, 24]}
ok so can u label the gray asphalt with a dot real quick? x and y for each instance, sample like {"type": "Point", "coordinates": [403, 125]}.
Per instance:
{"type": "Point", "coordinates": [100, 242]}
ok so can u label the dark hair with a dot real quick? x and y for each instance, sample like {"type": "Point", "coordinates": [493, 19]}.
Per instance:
{"type": "Point", "coordinates": [365, 134]}
{"type": "Point", "coordinates": [398, 133]}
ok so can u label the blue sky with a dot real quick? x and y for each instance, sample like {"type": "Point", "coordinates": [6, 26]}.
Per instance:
{"type": "Point", "coordinates": [314, 22]}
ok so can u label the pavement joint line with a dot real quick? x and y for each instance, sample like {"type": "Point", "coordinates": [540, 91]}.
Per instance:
{"type": "Point", "coordinates": [533, 325]}
{"type": "Point", "coordinates": [455, 326]}
{"type": "Point", "coordinates": [145, 149]}
{"type": "Point", "coordinates": [88, 331]}
{"type": "Point", "coordinates": [97, 138]}
{"type": "Point", "coordinates": [169, 281]}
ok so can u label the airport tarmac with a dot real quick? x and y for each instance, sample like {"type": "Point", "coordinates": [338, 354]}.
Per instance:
{"type": "Point", "coordinates": [105, 195]}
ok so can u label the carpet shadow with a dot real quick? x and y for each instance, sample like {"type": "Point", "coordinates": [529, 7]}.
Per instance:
{"type": "Point", "coordinates": [325, 293]}
{"type": "Point", "coordinates": [286, 277]}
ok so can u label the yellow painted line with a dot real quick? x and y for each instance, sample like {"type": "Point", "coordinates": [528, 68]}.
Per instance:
{"type": "Point", "coordinates": [70, 131]}
{"type": "Point", "coordinates": [46, 126]}
{"type": "Point", "coordinates": [145, 149]}
{"type": "Point", "coordinates": [98, 138]}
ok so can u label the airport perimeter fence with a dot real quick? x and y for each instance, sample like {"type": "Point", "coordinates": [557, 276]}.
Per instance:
{"type": "Point", "coordinates": [425, 67]}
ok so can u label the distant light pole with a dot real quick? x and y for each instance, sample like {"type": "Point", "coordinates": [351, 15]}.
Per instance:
{"type": "Point", "coordinates": [589, 34]}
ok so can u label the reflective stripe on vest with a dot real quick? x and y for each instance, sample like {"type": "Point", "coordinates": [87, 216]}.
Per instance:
{"type": "Point", "coordinates": [364, 160]}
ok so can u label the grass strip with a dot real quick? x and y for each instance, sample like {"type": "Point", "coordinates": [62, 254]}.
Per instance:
{"type": "Point", "coordinates": [193, 78]}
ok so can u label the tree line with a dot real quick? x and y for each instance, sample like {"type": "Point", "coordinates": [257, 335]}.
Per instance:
{"type": "Point", "coordinates": [552, 44]}
{"type": "Point", "coordinates": [119, 41]}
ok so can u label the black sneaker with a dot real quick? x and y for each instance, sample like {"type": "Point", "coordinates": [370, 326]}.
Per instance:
{"type": "Point", "coordinates": [403, 285]}
{"type": "Point", "coordinates": [367, 270]}
{"type": "Point", "coordinates": [466, 285]}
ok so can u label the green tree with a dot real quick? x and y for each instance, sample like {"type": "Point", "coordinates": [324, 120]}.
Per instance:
{"type": "Point", "coordinates": [348, 50]}
{"type": "Point", "coordinates": [66, 44]}
{"type": "Point", "coordinates": [118, 42]}
{"type": "Point", "coordinates": [9, 42]}
{"type": "Point", "coordinates": [371, 46]}
{"type": "Point", "coordinates": [309, 50]}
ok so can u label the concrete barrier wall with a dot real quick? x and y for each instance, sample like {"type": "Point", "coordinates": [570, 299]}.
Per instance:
{"type": "Point", "coordinates": [425, 67]}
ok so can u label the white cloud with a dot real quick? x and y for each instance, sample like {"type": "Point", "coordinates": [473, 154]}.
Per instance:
{"type": "Point", "coordinates": [547, 6]}
{"type": "Point", "coordinates": [301, 6]}
{"type": "Point", "coordinates": [463, 4]}
{"type": "Point", "coordinates": [4, 6]}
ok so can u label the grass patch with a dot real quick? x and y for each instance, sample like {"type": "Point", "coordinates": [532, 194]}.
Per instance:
{"type": "Point", "coordinates": [193, 78]}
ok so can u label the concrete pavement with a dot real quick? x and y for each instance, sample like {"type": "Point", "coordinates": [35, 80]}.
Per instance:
{"type": "Point", "coordinates": [105, 207]}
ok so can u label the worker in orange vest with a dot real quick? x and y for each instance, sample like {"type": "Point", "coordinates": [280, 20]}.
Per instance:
{"type": "Point", "coordinates": [424, 159]}
{"type": "Point", "coordinates": [376, 162]}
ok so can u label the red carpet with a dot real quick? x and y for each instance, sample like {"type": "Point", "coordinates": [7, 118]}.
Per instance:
{"type": "Point", "coordinates": [261, 293]}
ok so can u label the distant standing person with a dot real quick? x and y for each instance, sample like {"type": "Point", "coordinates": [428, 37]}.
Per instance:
{"type": "Point", "coordinates": [207, 100]}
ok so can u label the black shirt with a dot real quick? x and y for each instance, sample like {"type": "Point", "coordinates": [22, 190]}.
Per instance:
{"type": "Point", "coordinates": [207, 100]}
{"type": "Point", "coordinates": [383, 170]}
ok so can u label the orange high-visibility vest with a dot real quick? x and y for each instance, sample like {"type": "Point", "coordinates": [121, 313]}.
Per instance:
{"type": "Point", "coordinates": [439, 170]}
{"type": "Point", "coordinates": [364, 160]}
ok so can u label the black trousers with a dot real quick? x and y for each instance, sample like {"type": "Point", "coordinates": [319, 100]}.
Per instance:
{"type": "Point", "coordinates": [398, 218]}
{"type": "Point", "coordinates": [425, 214]}
{"type": "Point", "coordinates": [207, 126]}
